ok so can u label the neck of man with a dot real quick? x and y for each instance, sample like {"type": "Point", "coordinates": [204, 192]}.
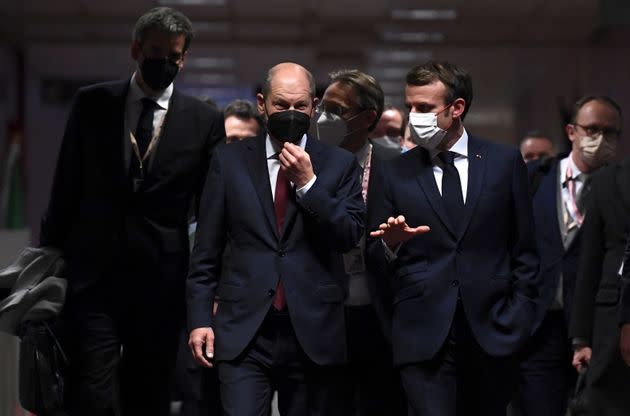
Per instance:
{"type": "Point", "coordinates": [144, 87]}
{"type": "Point", "coordinates": [452, 136]}
{"type": "Point", "coordinates": [583, 167]}
{"type": "Point", "coordinates": [355, 142]}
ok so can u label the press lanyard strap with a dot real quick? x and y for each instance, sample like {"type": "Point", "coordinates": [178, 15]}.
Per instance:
{"type": "Point", "coordinates": [150, 148]}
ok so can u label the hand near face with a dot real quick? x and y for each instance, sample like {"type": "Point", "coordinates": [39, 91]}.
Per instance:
{"type": "Point", "coordinates": [396, 231]}
{"type": "Point", "coordinates": [297, 164]}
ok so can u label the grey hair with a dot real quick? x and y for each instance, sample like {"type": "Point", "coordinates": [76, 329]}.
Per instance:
{"type": "Point", "coordinates": [163, 19]}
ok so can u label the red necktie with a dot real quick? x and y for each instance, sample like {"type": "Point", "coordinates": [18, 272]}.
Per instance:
{"type": "Point", "coordinates": [280, 204]}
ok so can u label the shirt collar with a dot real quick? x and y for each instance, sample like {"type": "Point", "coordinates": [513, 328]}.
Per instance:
{"type": "Point", "coordinates": [575, 171]}
{"type": "Point", "coordinates": [272, 148]}
{"type": "Point", "coordinates": [460, 147]}
{"type": "Point", "coordinates": [136, 93]}
{"type": "Point", "coordinates": [362, 154]}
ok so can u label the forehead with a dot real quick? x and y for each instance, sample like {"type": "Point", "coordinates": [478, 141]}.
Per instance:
{"type": "Point", "coordinates": [597, 113]}
{"type": "Point", "coordinates": [391, 115]}
{"type": "Point", "coordinates": [233, 122]}
{"type": "Point", "coordinates": [157, 39]}
{"type": "Point", "coordinates": [536, 143]}
{"type": "Point", "coordinates": [339, 93]}
{"type": "Point", "coordinates": [290, 85]}
{"type": "Point", "coordinates": [433, 93]}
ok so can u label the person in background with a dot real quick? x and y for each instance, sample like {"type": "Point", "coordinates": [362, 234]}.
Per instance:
{"type": "Point", "coordinates": [241, 121]}
{"type": "Point", "coordinates": [133, 155]}
{"type": "Point", "coordinates": [349, 110]}
{"type": "Point", "coordinates": [455, 226]}
{"type": "Point", "coordinates": [407, 142]}
{"type": "Point", "coordinates": [536, 145]}
{"type": "Point", "coordinates": [563, 186]}
{"type": "Point", "coordinates": [388, 130]}
{"type": "Point", "coordinates": [288, 206]}
{"type": "Point", "coordinates": [594, 325]}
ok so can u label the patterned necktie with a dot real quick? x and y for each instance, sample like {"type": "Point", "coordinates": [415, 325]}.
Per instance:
{"type": "Point", "coordinates": [452, 190]}
{"type": "Point", "coordinates": [576, 215]}
{"type": "Point", "coordinates": [281, 200]}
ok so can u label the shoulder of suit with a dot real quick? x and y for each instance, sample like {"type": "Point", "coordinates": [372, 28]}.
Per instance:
{"type": "Point", "coordinates": [103, 89]}
{"type": "Point", "coordinates": [195, 103]}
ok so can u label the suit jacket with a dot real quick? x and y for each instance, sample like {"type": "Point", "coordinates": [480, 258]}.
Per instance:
{"type": "Point", "coordinates": [106, 230]}
{"type": "Point", "coordinates": [491, 263]}
{"type": "Point", "coordinates": [237, 209]}
{"type": "Point", "coordinates": [555, 259]}
{"type": "Point", "coordinates": [624, 307]}
{"type": "Point", "coordinates": [595, 308]}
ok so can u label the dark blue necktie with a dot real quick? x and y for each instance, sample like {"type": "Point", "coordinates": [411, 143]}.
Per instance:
{"type": "Point", "coordinates": [452, 190]}
{"type": "Point", "coordinates": [143, 134]}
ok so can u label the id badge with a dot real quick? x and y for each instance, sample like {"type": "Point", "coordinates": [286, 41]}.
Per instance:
{"type": "Point", "coordinates": [353, 261]}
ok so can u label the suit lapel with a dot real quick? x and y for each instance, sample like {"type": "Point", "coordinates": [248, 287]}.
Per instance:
{"type": "Point", "coordinates": [259, 173]}
{"type": "Point", "coordinates": [476, 172]}
{"type": "Point", "coordinates": [117, 133]}
{"type": "Point", "coordinates": [431, 191]}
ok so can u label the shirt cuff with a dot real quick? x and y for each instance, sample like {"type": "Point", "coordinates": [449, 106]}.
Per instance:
{"type": "Point", "coordinates": [303, 190]}
{"type": "Point", "coordinates": [390, 255]}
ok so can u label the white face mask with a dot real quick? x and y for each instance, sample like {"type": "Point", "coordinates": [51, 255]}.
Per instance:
{"type": "Point", "coordinates": [596, 150]}
{"type": "Point", "coordinates": [330, 128]}
{"type": "Point", "coordinates": [425, 131]}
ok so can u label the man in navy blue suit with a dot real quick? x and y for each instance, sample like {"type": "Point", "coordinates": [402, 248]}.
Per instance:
{"type": "Point", "coordinates": [288, 206]}
{"type": "Point", "coordinates": [455, 224]}
{"type": "Point", "coordinates": [562, 187]}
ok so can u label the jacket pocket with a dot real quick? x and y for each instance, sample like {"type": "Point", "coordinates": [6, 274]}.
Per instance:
{"type": "Point", "coordinates": [230, 293]}
{"type": "Point", "coordinates": [607, 296]}
{"type": "Point", "coordinates": [409, 292]}
{"type": "Point", "coordinates": [330, 294]}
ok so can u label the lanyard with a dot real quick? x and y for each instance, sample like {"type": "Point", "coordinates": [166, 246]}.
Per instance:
{"type": "Point", "coordinates": [150, 148]}
{"type": "Point", "coordinates": [366, 174]}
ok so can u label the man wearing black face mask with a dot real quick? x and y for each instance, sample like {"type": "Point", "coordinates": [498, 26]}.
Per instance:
{"type": "Point", "coordinates": [134, 154]}
{"type": "Point", "coordinates": [288, 206]}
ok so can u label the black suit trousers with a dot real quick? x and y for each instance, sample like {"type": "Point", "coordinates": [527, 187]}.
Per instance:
{"type": "Point", "coordinates": [274, 361]}
{"type": "Point", "coordinates": [461, 380]}
{"type": "Point", "coordinates": [122, 336]}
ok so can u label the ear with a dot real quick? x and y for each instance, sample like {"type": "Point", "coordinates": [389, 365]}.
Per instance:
{"type": "Point", "coordinates": [136, 50]}
{"type": "Point", "coordinates": [260, 104]}
{"type": "Point", "coordinates": [570, 131]}
{"type": "Point", "coordinates": [370, 117]}
{"type": "Point", "coordinates": [315, 104]}
{"type": "Point", "coordinates": [181, 64]}
{"type": "Point", "coordinates": [459, 106]}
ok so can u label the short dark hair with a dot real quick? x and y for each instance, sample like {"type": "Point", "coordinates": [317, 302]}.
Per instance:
{"type": "Point", "coordinates": [604, 99]}
{"type": "Point", "coordinates": [369, 91]}
{"type": "Point", "coordinates": [457, 81]}
{"type": "Point", "coordinates": [266, 87]}
{"type": "Point", "coordinates": [244, 110]}
{"type": "Point", "coordinates": [538, 134]}
{"type": "Point", "coordinates": [164, 19]}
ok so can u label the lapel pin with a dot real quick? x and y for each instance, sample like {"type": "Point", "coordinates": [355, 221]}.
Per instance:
{"type": "Point", "coordinates": [478, 156]}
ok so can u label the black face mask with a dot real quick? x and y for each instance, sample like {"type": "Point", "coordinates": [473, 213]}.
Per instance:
{"type": "Point", "coordinates": [288, 126]}
{"type": "Point", "coordinates": [158, 73]}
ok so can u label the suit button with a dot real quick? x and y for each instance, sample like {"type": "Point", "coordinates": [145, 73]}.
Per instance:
{"type": "Point", "coordinates": [281, 253]}
{"type": "Point", "coordinates": [455, 283]}
{"type": "Point", "coordinates": [271, 292]}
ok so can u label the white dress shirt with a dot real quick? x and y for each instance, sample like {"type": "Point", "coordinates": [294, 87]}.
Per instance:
{"type": "Point", "coordinates": [273, 149]}
{"type": "Point", "coordinates": [578, 180]}
{"type": "Point", "coordinates": [133, 108]}
{"type": "Point", "coordinates": [461, 163]}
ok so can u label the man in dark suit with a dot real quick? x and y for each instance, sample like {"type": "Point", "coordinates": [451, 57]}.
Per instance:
{"type": "Point", "coordinates": [350, 109]}
{"type": "Point", "coordinates": [562, 188]}
{"type": "Point", "coordinates": [134, 154]}
{"type": "Point", "coordinates": [594, 325]}
{"type": "Point", "coordinates": [458, 233]}
{"type": "Point", "coordinates": [287, 206]}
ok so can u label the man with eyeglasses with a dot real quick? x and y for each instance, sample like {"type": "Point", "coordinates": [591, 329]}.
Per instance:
{"type": "Point", "coordinates": [349, 111]}
{"type": "Point", "coordinates": [134, 154]}
{"type": "Point", "coordinates": [455, 226]}
{"type": "Point", "coordinates": [562, 187]}
{"type": "Point", "coordinates": [594, 323]}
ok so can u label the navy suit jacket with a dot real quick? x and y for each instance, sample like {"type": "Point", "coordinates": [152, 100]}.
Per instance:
{"type": "Point", "coordinates": [555, 260]}
{"type": "Point", "coordinates": [237, 209]}
{"type": "Point", "coordinates": [492, 263]}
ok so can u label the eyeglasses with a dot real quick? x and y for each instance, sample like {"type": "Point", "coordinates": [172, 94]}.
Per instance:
{"type": "Point", "coordinates": [595, 131]}
{"type": "Point", "coordinates": [335, 109]}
